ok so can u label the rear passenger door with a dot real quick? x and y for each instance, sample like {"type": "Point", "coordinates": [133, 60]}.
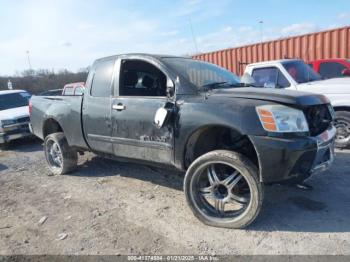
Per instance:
{"type": "Point", "coordinates": [97, 106]}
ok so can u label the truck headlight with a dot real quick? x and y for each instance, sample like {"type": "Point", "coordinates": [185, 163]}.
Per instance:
{"type": "Point", "coordinates": [282, 119]}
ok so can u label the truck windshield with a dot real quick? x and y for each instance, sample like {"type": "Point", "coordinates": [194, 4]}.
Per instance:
{"type": "Point", "coordinates": [14, 100]}
{"type": "Point", "coordinates": [301, 72]}
{"type": "Point", "coordinates": [202, 74]}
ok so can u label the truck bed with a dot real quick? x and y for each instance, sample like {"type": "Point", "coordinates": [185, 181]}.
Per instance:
{"type": "Point", "coordinates": [65, 110]}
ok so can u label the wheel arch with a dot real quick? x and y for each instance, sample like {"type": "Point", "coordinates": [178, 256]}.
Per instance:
{"type": "Point", "coordinates": [50, 126]}
{"type": "Point", "coordinates": [213, 137]}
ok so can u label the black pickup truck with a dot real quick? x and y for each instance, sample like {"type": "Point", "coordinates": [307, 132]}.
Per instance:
{"type": "Point", "coordinates": [194, 116]}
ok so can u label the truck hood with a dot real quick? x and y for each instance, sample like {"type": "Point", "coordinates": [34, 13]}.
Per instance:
{"type": "Point", "coordinates": [14, 113]}
{"type": "Point", "coordinates": [274, 95]}
{"type": "Point", "coordinates": [329, 86]}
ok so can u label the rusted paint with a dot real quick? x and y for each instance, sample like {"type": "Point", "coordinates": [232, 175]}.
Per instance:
{"type": "Point", "coordinates": [334, 43]}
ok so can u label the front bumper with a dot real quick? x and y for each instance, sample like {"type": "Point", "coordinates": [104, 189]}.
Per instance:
{"type": "Point", "coordinates": [284, 159]}
{"type": "Point", "coordinates": [15, 131]}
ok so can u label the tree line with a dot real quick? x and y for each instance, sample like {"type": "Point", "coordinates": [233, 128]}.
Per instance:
{"type": "Point", "coordinates": [37, 81]}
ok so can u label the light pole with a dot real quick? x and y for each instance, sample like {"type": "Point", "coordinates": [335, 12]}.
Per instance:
{"type": "Point", "coordinates": [29, 64]}
{"type": "Point", "coordinates": [261, 23]}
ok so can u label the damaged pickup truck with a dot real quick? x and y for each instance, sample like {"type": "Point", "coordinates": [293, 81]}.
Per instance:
{"type": "Point", "coordinates": [197, 117]}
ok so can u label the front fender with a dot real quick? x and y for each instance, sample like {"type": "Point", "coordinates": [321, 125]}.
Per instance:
{"type": "Point", "coordinates": [193, 117]}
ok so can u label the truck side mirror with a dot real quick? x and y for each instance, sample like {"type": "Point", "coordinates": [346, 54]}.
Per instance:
{"type": "Point", "coordinates": [161, 116]}
{"type": "Point", "coordinates": [270, 85]}
{"type": "Point", "coordinates": [345, 72]}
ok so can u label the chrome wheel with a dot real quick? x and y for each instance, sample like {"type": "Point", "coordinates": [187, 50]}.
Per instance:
{"type": "Point", "coordinates": [61, 158]}
{"type": "Point", "coordinates": [221, 190]}
{"type": "Point", "coordinates": [343, 132]}
{"type": "Point", "coordinates": [54, 154]}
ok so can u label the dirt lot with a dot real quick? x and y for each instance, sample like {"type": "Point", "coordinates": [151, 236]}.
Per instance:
{"type": "Point", "coordinates": [108, 207]}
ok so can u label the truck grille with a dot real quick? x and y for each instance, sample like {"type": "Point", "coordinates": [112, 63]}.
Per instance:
{"type": "Point", "coordinates": [23, 120]}
{"type": "Point", "coordinates": [319, 118]}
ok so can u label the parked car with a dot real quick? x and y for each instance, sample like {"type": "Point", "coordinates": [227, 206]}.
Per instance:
{"type": "Point", "coordinates": [53, 92]}
{"type": "Point", "coordinates": [296, 75]}
{"type": "Point", "coordinates": [73, 89]}
{"type": "Point", "coordinates": [196, 117]}
{"type": "Point", "coordinates": [331, 68]}
{"type": "Point", "coordinates": [14, 115]}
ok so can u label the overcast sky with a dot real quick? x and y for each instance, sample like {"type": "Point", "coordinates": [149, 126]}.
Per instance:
{"type": "Point", "coordinates": [71, 34]}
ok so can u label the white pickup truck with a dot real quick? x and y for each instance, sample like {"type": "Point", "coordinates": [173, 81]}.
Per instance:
{"type": "Point", "coordinates": [295, 74]}
{"type": "Point", "coordinates": [14, 115]}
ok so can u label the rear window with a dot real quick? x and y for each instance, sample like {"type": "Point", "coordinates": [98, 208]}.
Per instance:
{"type": "Point", "coordinates": [14, 100]}
{"type": "Point", "coordinates": [69, 91]}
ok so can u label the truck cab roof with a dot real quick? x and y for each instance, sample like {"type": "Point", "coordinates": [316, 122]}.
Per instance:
{"type": "Point", "coordinates": [272, 62]}
{"type": "Point", "coordinates": [154, 56]}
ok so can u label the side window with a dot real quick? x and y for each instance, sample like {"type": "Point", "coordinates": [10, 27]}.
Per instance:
{"type": "Point", "coordinates": [265, 76]}
{"type": "Point", "coordinates": [69, 91]}
{"type": "Point", "coordinates": [270, 76]}
{"type": "Point", "coordinates": [331, 69]}
{"type": "Point", "coordinates": [101, 83]}
{"type": "Point", "coordinates": [139, 78]}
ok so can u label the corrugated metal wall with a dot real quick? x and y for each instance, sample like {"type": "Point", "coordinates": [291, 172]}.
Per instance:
{"type": "Point", "coordinates": [333, 43]}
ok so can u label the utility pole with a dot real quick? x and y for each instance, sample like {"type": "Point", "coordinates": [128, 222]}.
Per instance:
{"type": "Point", "coordinates": [29, 64]}
{"type": "Point", "coordinates": [261, 23]}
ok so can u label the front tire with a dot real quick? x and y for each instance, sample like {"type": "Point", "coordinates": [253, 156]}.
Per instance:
{"type": "Point", "coordinates": [342, 123]}
{"type": "Point", "coordinates": [60, 157]}
{"type": "Point", "coordinates": [222, 189]}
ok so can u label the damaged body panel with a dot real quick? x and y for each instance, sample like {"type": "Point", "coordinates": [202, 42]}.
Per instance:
{"type": "Point", "coordinates": [115, 117]}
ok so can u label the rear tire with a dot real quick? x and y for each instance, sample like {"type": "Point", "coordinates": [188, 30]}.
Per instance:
{"type": "Point", "coordinates": [235, 175]}
{"type": "Point", "coordinates": [342, 123]}
{"type": "Point", "coordinates": [61, 158]}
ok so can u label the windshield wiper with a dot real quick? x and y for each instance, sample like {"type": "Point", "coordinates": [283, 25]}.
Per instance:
{"type": "Point", "coordinates": [240, 85]}
{"type": "Point", "coordinates": [214, 85]}
{"type": "Point", "coordinates": [217, 85]}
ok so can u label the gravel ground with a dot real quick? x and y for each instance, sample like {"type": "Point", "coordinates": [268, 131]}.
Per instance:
{"type": "Point", "coordinates": [108, 207]}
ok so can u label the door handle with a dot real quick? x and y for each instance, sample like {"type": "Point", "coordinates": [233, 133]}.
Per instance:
{"type": "Point", "coordinates": [119, 107]}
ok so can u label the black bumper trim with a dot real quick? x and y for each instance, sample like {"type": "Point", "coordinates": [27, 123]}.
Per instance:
{"type": "Point", "coordinates": [293, 159]}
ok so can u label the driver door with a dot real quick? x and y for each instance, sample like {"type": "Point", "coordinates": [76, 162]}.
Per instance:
{"type": "Point", "coordinates": [140, 92]}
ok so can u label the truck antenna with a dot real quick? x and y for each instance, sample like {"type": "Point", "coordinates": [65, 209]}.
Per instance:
{"type": "Point", "coordinates": [193, 35]}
